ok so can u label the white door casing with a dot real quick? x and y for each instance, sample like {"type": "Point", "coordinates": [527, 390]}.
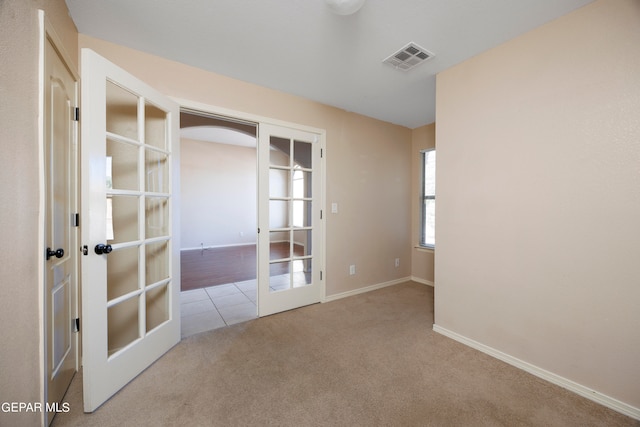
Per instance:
{"type": "Point", "coordinates": [131, 261]}
{"type": "Point", "coordinates": [290, 218]}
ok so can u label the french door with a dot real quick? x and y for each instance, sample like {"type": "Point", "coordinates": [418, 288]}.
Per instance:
{"type": "Point", "coordinates": [130, 262]}
{"type": "Point", "coordinates": [290, 218]}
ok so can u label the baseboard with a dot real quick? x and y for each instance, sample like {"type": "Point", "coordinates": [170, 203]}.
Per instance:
{"type": "Point", "coordinates": [365, 289]}
{"type": "Point", "coordinates": [583, 391]}
{"type": "Point", "coordinates": [231, 245]}
{"type": "Point", "coordinates": [423, 281]}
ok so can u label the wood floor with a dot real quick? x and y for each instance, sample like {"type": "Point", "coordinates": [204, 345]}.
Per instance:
{"type": "Point", "coordinates": [219, 266]}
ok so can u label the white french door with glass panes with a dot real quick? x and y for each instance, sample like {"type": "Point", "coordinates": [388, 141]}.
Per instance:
{"type": "Point", "coordinates": [290, 218]}
{"type": "Point", "coordinates": [130, 262]}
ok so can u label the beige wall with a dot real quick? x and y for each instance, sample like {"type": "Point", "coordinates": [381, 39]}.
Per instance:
{"type": "Point", "coordinates": [217, 194]}
{"type": "Point", "coordinates": [422, 262]}
{"type": "Point", "coordinates": [22, 257]}
{"type": "Point", "coordinates": [539, 198]}
{"type": "Point", "coordinates": [368, 171]}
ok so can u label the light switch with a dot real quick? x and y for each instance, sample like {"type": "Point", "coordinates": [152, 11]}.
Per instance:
{"type": "Point", "coordinates": [334, 207]}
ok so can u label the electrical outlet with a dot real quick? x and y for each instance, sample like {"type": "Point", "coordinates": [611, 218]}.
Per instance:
{"type": "Point", "coordinates": [352, 269]}
{"type": "Point", "coordinates": [397, 262]}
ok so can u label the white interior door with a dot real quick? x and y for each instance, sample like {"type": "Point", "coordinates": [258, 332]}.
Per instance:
{"type": "Point", "coordinates": [291, 234]}
{"type": "Point", "coordinates": [60, 245]}
{"type": "Point", "coordinates": [130, 267]}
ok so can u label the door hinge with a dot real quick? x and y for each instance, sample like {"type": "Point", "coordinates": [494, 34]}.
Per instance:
{"type": "Point", "coordinates": [321, 153]}
{"type": "Point", "coordinates": [76, 324]}
{"type": "Point", "coordinates": [76, 114]}
{"type": "Point", "coordinates": [75, 221]}
{"type": "Point", "coordinates": [258, 230]}
{"type": "Point", "coordinates": [320, 213]}
{"type": "Point", "coordinates": [320, 274]}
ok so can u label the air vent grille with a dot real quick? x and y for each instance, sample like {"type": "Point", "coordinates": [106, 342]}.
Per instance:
{"type": "Point", "coordinates": [408, 57]}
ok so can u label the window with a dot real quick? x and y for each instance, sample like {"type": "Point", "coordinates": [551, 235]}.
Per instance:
{"type": "Point", "coordinates": [428, 196]}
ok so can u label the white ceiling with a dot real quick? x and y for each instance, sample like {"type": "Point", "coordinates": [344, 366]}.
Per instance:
{"type": "Point", "coordinates": [302, 48]}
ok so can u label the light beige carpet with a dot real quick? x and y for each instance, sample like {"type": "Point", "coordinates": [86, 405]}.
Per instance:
{"type": "Point", "coordinates": [367, 360]}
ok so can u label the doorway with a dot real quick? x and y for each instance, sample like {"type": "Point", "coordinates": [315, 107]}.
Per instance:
{"type": "Point", "coordinates": [218, 221]}
{"type": "Point", "coordinates": [224, 207]}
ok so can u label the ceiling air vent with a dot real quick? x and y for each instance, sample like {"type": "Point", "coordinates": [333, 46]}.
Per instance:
{"type": "Point", "coordinates": [408, 57]}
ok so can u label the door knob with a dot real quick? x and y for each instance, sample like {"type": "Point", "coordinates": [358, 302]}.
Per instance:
{"type": "Point", "coordinates": [103, 249]}
{"type": "Point", "coordinates": [58, 253]}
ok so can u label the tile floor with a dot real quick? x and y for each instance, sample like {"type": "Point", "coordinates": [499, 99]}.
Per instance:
{"type": "Point", "coordinates": [217, 306]}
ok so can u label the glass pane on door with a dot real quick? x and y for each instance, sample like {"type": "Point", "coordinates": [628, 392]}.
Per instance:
{"type": "Point", "coordinates": [278, 214]}
{"type": "Point", "coordinates": [156, 172]}
{"type": "Point", "coordinates": [156, 262]}
{"type": "Point", "coordinates": [302, 154]}
{"type": "Point", "coordinates": [301, 273]}
{"type": "Point", "coordinates": [157, 307]}
{"type": "Point", "coordinates": [280, 150]}
{"type": "Point", "coordinates": [279, 279]}
{"type": "Point", "coordinates": [138, 203]}
{"type": "Point", "coordinates": [124, 218]}
{"type": "Point", "coordinates": [157, 217]}
{"type": "Point", "coordinates": [122, 272]}
{"type": "Point", "coordinates": [279, 245]}
{"type": "Point", "coordinates": [122, 111]}
{"type": "Point", "coordinates": [302, 243]}
{"type": "Point", "coordinates": [122, 324]}
{"type": "Point", "coordinates": [155, 126]}
{"type": "Point", "coordinates": [290, 213]}
{"type": "Point", "coordinates": [122, 165]}
{"type": "Point", "coordinates": [279, 182]}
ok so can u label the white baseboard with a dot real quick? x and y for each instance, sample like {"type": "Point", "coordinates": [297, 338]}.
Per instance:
{"type": "Point", "coordinates": [365, 289]}
{"type": "Point", "coordinates": [583, 391]}
{"type": "Point", "coordinates": [423, 281]}
{"type": "Point", "coordinates": [231, 245]}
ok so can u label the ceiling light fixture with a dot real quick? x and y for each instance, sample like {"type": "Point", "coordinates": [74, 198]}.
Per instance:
{"type": "Point", "coordinates": [344, 7]}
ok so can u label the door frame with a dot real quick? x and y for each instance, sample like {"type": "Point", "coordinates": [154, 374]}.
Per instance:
{"type": "Point", "coordinates": [47, 34]}
{"type": "Point", "coordinates": [257, 119]}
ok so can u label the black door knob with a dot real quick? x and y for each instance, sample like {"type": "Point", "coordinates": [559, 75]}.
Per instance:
{"type": "Point", "coordinates": [58, 253]}
{"type": "Point", "coordinates": [103, 249]}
